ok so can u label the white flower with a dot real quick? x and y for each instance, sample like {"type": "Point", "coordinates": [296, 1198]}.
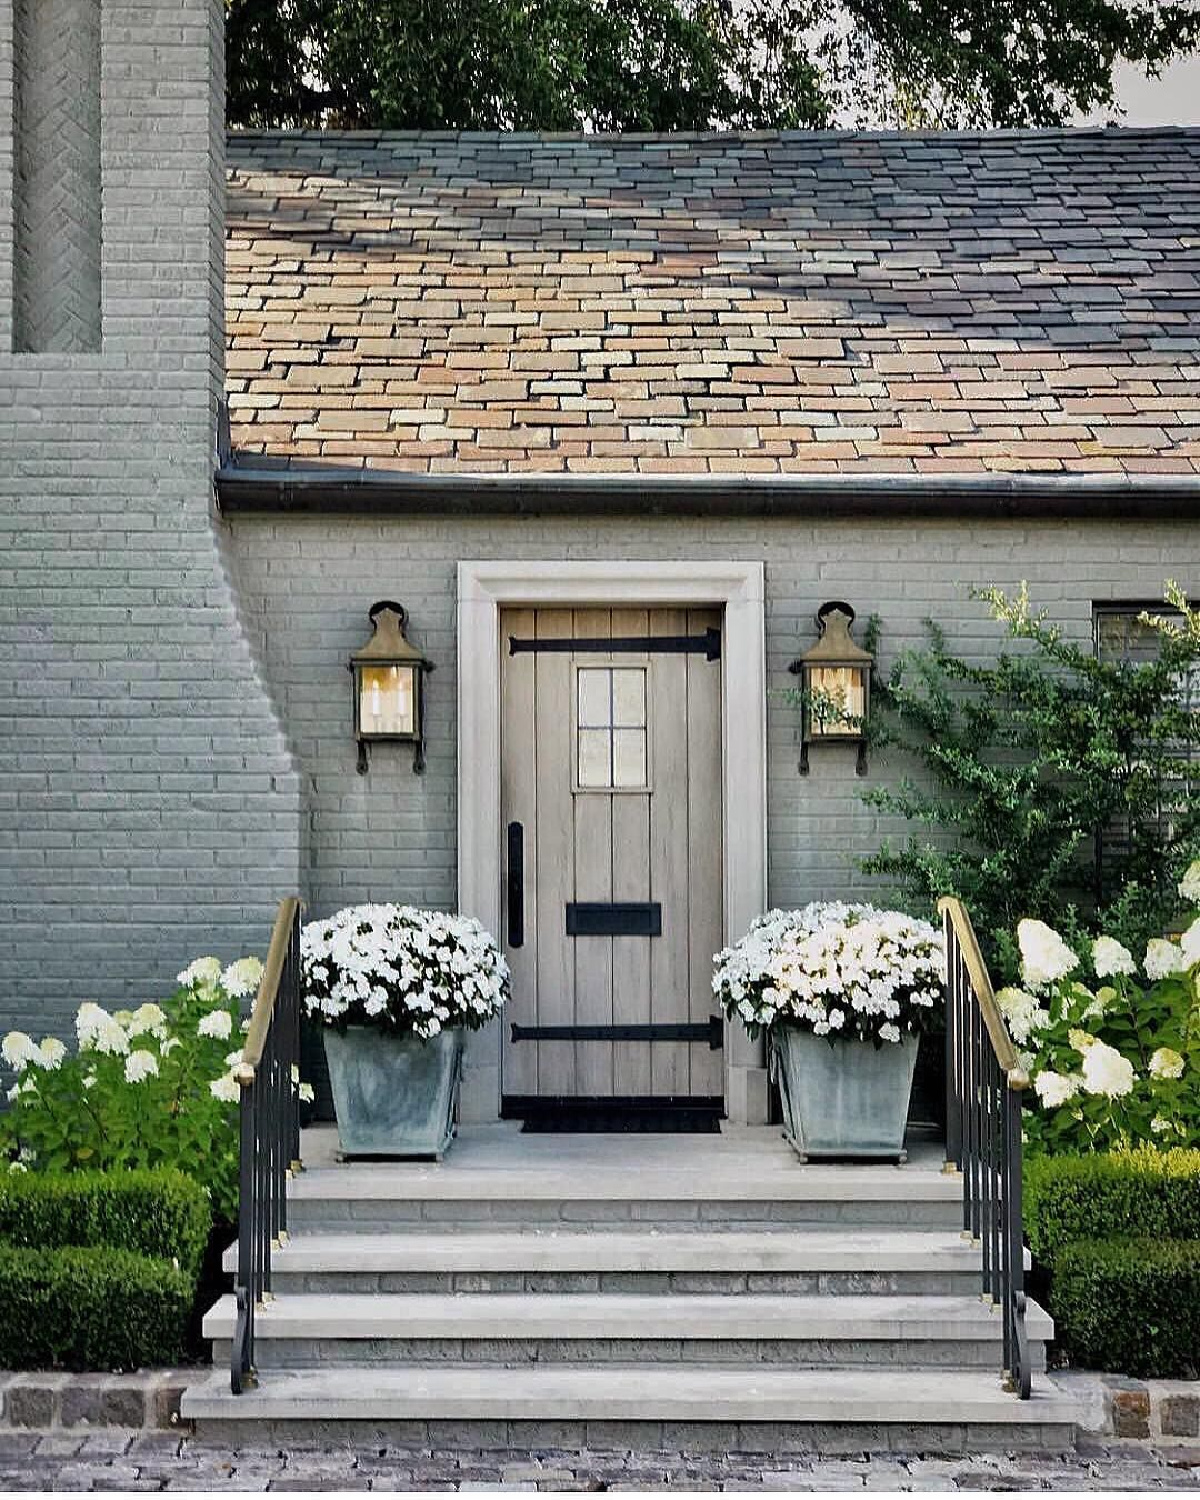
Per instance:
{"type": "Point", "coordinates": [139, 1065]}
{"type": "Point", "coordinates": [1110, 957]}
{"type": "Point", "coordinates": [99, 1032]}
{"type": "Point", "coordinates": [217, 1023]}
{"type": "Point", "coordinates": [201, 971]}
{"type": "Point", "coordinates": [226, 1089]}
{"type": "Point", "coordinates": [1054, 1089]}
{"type": "Point", "coordinates": [147, 1018]}
{"type": "Point", "coordinates": [1105, 1071]}
{"type": "Point", "coordinates": [1022, 1014]}
{"type": "Point", "coordinates": [234, 1059]}
{"type": "Point", "coordinates": [1189, 944]}
{"type": "Point", "coordinates": [242, 977]}
{"type": "Point", "coordinates": [1163, 958]}
{"type": "Point", "coordinates": [168, 1045]}
{"type": "Point", "coordinates": [17, 1166]}
{"type": "Point", "coordinates": [305, 1091]}
{"type": "Point", "coordinates": [1189, 886]}
{"type": "Point", "coordinates": [1166, 1063]}
{"type": "Point", "coordinates": [1161, 1126]}
{"type": "Point", "coordinates": [1044, 956]}
{"type": "Point", "coordinates": [51, 1054]}
{"type": "Point", "coordinates": [889, 1033]}
{"type": "Point", "coordinates": [19, 1050]}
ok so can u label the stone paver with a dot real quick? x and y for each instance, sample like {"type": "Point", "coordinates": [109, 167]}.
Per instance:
{"type": "Point", "coordinates": [167, 1462]}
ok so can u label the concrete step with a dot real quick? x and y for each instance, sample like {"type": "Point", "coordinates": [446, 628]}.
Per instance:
{"type": "Point", "coordinates": [777, 1193]}
{"type": "Point", "coordinates": [732, 1262]}
{"type": "Point", "coordinates": [699, 1408]}
{"type": "Point", "coordinates": [499, 1328]}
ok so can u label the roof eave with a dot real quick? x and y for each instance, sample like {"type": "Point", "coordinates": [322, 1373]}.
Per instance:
{"type": "Point", "coordinates": [379, 492]}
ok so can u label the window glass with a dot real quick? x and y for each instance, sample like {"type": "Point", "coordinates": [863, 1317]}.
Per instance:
{"type": "Point", "coordinates": [611, 728]}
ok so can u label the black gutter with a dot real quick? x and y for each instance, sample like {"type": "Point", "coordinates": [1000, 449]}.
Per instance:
{"type": "Point", "coordinates": [243, 488]}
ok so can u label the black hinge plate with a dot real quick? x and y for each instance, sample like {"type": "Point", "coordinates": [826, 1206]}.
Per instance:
{"type": "Point", "coordinates": [711, 1031]}
{"type": "Point", "coordinates": [707, 645]}
{"type": "Point", "coordinates": [614, 919]}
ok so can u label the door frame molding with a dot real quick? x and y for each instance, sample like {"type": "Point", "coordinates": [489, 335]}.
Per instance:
{"type": "Point", "coordinates": [738, 587]}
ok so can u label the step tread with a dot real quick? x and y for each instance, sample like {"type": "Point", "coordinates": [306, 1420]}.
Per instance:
{"type": "Point", "coordinates": [629, 1393]}
{"type": "Point", "coordinates": [616, 1315]}
{"type": "Point", "coordinates": [762, 1252]}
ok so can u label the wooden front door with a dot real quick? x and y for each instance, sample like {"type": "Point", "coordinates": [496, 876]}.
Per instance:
{"type": "Point", "coordinates": [611, 801]}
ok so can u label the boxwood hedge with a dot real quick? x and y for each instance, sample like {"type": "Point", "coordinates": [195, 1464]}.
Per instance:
{"type": "Point", "coordinates": [1142, 1194]}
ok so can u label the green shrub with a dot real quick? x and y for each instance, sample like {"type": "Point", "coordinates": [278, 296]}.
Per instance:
{"type": "Point", "coordinates": [157, 1213]}
{"type": "Point", "coordinates": [90, 1309]}
{"type": "Point", "coordinates": [1131, 1305]}
{"type": "Point", "coordinates": [1145, 1193]}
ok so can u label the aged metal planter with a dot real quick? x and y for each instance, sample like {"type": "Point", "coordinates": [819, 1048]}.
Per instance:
{"type": "Point", "coordinates": [394, 1095]}
{"type": "Point", "coordinates": [843, 1098]}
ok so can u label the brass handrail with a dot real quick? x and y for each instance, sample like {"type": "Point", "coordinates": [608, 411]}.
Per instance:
{"type": "Point", "coordinates": [1002, 1044]}
{"type": "Point", "coordinates": [268, 990]}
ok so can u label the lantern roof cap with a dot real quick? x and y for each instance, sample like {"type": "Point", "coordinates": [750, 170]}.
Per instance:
{"type": "Point", "coordinates": [388, 643]}
{"type": "Point", "coordinates": [835, 644]}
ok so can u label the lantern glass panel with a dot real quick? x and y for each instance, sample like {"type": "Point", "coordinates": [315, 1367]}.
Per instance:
{"type": "Point", "coordinates": [387, 700]}
{"type": "Point", "coordinates": [839, 700]}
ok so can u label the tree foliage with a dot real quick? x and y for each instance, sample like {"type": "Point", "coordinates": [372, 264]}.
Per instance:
{"type": "Point", "coordinates": [658, 65]}
{"type": "Point", "coordinates": [1033, 764]}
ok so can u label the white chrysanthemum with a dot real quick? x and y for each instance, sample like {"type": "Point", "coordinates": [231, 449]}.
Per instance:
{"type": "Point", "coordinates": [226, 1089]}
{"type": "Point", "coordinates": [140, 1065]}
{"type": "Point", "coordinates": [241, 977]}
{"type": "Point", "coordinates": [51, 1053]}
{"type": "Point", "coordinates": [1054, 1089]}
{"type": "Point", "coordinates": [99, 1032]}
{"type": "Point", "coordinates": [1163, 959]}
{"type": "Point", "coordinates": [1105, 1071]}
{"type": "Point", "coordinates": [1044, 956]}
{"type": "Point", "coordinates": [201, 971]}
{"type": "Point", "coordinates": [1165, 1062]}
{"type": "Point", "coordinates": [217, 1023]}
{"type": "Point", "coordinates": [1110, 958]}
{"type": "Point", "coordinates": [1189, 944]}
{"type": "Point", "coordinates": [1189, 886]}
{"type": "Point", "coordinates": [19, 1050]}
{"type": "Point", "coordinates": [147, 1018]}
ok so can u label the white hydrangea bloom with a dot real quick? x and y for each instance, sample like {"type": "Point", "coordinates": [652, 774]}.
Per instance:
{"type": "Point", "coordinates": [19, 1050]}
{"type": "Point", "coordinates": [226, 1089]}
{"type": "Point", "coordinates": [1045, 958]}
{"type": "Point", "coordinates": [217, 1023]}
{"type": "Point", "coordinates": [1189, 886]}
{"type": "Point", "coordinates": [234, 1059]}
{"type": "Point", "coordinates": [17, 1166]}
{"type": "Point", "coordinates": [1163, 959]}
{"type": "Point", "coordinates": [1165, 1062]}
{"type": "Point", "coordinates": [242, 977]}
{"type": "Point", "coordinates": [140, 1065]}
{"type": "Point", "coordinates": [305, 1091]}
{"type": "Point", "coordinates": [1105, 1071]}
{"type": "Point", "coordinates": [1111, 958]}
{"type": "Point", "coordinates": [1189, 944]}
{"type": "Point", "coordinates": [1054, 1088]}
{"type": "Point", "coordinates": [1023, 1015]}
{"type": "Point", "coordinates": [201, 971]}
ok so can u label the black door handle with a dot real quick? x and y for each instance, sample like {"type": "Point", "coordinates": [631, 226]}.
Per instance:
{"type": "Point", "coordinates": [516, 885]}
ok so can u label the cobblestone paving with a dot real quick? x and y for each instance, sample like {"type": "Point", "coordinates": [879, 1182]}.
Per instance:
{"type": "Point", "coordinates": [116, 1460]}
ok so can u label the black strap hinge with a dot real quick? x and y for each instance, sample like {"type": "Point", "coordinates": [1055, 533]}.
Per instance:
{"type": "Point", "coordinates": [707, 645]}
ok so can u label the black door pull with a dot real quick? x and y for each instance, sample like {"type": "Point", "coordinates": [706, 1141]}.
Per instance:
{"type": "Point", "coordinates": [516, 885]}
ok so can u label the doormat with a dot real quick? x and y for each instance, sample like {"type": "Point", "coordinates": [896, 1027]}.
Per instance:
{"type": "Point", "coordinates": [621, 1119]}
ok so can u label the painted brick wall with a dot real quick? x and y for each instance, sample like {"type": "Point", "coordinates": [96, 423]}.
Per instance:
{"type": "Point", "coordinates": [307, 584]}
{"type": "Point", "coordinates": [148, 799]}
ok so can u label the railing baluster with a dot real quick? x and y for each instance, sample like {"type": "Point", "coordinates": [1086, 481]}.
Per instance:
{"type": "Point", "coordinates": [269, 1133]}
{"type": "Point", "coordinates": [983, 1133]}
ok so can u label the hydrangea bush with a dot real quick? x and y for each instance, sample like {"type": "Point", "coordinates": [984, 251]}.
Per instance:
{"type": "Point", "coordinates": [402, 969]}
{"type": "Point", "coordinates": [1115, 1062]}
{"type": "Point", "coordinates": [837, 969]}
{"type": "Point", "coordinates": [151, 1087]}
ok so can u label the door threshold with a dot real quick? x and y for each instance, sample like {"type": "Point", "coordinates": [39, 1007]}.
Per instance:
{"type": "Point", "coordinates": [670, 1115]}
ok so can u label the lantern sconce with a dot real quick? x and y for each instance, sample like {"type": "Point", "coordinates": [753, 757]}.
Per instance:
{"type": "Point", "coordinates": [389, 678]}
{"type": "Point", "coordinates": [836, 685]}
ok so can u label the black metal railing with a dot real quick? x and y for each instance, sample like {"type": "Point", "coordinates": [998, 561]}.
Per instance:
{"type": "Point", "coordinates": [269, 1075]}
{"type": "Point", "coordinates": [984, 1080]}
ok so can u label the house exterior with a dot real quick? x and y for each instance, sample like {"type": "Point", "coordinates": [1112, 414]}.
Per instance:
{"type": "Point", "coordinates": [544, 393]}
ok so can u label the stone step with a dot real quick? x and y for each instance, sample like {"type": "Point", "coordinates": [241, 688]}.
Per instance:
{"type": "Point", "coordinates": [299, 1331]}
{"type": "Point", "coordinates": [854, 1262]}
{"type": "Point", "coordinates": [698, 1408]}
{"type": "Point", "coordinates": [383, 1197]}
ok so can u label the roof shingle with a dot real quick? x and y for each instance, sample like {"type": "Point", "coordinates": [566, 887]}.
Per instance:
{"type": "Point", "coordinates": [796, 303]}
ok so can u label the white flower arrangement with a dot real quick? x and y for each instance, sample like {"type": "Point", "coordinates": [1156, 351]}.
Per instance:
{"type": "Point", "coordinates": [837, 969]}
{"type": "Point", "coordinates": [402, 969]}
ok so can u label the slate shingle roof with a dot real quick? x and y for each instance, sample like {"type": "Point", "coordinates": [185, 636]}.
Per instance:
{"type": "Point", "coordinates": [748, 303]}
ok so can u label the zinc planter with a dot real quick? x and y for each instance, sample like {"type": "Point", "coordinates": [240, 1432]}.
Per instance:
{"type": "Point", "coordinates": [846, 1097]}
{"type": "Point", "coordinates": [394, 1095]}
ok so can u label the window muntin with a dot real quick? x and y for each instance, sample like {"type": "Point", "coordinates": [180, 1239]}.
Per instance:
{"type": "Point", "coordinates": [611, 750]}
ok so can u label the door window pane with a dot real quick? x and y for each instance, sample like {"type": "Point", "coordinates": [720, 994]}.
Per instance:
{"type": "Point", "coordinates": [611, 728]}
